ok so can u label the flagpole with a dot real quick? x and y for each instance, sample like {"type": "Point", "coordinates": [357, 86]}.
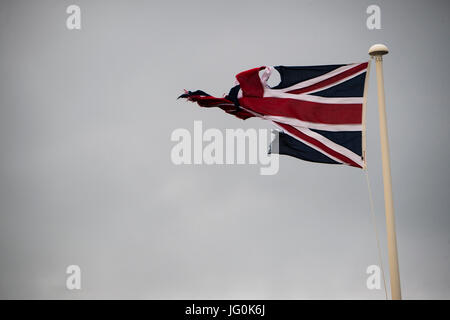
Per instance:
{"type": "Point", "coordinates": [377, 51]}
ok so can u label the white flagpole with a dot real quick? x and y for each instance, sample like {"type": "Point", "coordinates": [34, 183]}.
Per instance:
{"type": "Point", "coordinates": [377, 51]}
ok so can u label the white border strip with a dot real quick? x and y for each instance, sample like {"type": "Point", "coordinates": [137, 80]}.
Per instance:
{"type": "Point", "coordinates": [269, 93]}
{"type": "Point", "coordinates": [314, 125]}
{"type": "Point", "coordinates": [364, 112]}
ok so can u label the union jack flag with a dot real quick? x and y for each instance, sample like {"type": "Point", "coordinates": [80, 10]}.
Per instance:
{"type": "Point", "coordinates": [319, 109]}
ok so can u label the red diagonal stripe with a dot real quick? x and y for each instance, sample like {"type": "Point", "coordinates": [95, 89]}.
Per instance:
{"type": "Point", "coordinates": [331, 80]}
{"type": "Point", "coordinates": [318, 144]}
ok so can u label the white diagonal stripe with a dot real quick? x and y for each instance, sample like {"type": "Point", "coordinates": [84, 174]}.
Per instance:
{"type": "Point", "coordinates": [338, 82]}
{"type": "Point", "coordinates": [315, 80]}
{"type": "Point", "coordinates": [332, 145]}
{"type": "Point", "coordinates": [308, 144]}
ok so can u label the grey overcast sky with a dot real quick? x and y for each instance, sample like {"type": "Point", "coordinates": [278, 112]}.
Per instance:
{"type": "Point", "coordinates": [86, 176]}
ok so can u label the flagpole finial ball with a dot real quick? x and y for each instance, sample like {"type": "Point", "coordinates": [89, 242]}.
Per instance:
{"type": "Point", "coordinates": [378, 50]}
